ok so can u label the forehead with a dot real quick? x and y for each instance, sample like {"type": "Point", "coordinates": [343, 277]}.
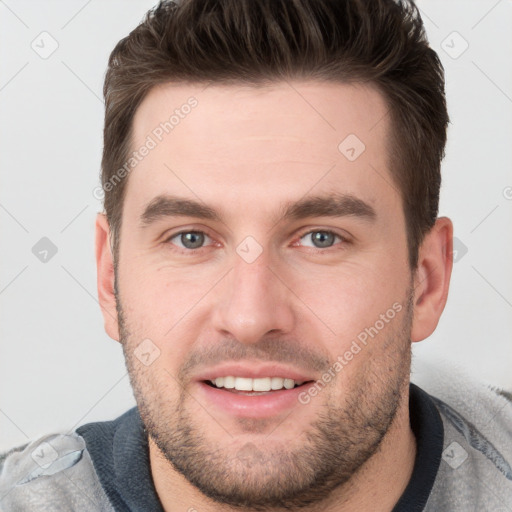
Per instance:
{"type": "Point", "coordinates": [252, 146]}
{"type": "Point", "coordinates": [306, 110]}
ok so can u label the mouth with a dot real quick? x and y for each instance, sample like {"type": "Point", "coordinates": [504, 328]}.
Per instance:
{"type": "Point", "coordinates": [254, 387]}
{"type": "Point", "coordinates": [244, 397]}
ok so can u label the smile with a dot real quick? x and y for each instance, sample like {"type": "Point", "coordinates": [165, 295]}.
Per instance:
{"type": "Point", "coordinates": [263, 384]}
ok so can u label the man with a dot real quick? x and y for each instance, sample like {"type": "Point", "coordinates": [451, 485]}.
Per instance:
{"type": "Point", "coordinates": [269, 250]}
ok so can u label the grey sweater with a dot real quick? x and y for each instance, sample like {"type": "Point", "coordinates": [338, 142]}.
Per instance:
{"type": "Point", "coordinates": [464, 450]}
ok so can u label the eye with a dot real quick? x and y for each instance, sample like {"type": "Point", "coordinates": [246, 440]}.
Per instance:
{"type": "Point", "coordinates": [189, 239]}
{"type": "Point", "coordinates": [321, 239]}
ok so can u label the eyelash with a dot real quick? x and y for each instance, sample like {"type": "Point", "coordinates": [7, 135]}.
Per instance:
{"type": "Point", "coordinates": [315, 250]}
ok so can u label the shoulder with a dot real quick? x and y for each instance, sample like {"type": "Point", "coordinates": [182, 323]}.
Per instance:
{"type": "Point", "coordinates": [43, 475]}
{"type": "Point", "coordinates": [476, 465]}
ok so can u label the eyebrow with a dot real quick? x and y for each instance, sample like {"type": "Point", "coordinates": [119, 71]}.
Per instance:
{"type": "Point", "coordinates": [332, 205]}
{"type": "Point", "coordinates": [172, 206]}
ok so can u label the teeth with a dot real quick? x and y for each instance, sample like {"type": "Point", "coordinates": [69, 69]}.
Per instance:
{"type": "Point", "coordinates": [289, 383]}
{"type": "Point", "coordinates": [243, 384]}
{"type": "Point", "coordinates": [261, 384]}
{"type": "Point", "coordinates": [229, 382]}
{"type": "Point", "coordinates": [277, 383]}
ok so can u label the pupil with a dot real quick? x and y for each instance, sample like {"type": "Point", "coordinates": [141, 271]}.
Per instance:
{"type": "Point", "coordinates": [323, 239]}
{"type": "Point", "coordinates": [192, 240]}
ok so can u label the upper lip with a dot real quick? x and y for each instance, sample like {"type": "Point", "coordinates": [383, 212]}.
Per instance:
{"type": "Point", "coordinates": [253, 370]}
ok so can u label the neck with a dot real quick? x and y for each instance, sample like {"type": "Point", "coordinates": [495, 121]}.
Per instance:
{"type": "Point", "coordinates": [382, 479]}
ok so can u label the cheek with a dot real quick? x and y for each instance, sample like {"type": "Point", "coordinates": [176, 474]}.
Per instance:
{"type": "Point", "coordinates": [163, 306]}
{"type": "Point", "coordinates": [160, 294]}
{"type": "Point", "coordinates": [351, 297]}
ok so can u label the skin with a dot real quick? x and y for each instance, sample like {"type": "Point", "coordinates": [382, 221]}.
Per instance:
{"type": "Point", "coordinates": [245, 151]}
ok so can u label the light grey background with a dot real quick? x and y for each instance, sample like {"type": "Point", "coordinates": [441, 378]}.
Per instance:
{"type": "Point", "coordinates": [58, 368]}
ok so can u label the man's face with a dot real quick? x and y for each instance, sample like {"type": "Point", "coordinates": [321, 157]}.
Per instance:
{"type": "Point", "coordinates": [258, 294]}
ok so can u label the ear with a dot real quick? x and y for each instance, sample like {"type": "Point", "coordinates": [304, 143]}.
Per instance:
{"type": "Point", "coordinates": [432, 278]}
{"type": "Point", "coordinates": [105, 277]}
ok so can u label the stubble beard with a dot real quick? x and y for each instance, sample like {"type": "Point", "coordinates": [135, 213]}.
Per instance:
{"type": "Point", "coordinates": [261, 475]}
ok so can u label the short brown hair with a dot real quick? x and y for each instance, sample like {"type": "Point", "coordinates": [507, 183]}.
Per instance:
{"type": "Point", "coordinates": [254, 42]}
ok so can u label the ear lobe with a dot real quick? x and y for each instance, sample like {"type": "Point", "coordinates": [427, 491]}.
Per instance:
{"type": "Point", "coordinates": [432, 278]}
{"type": "Point", "coordinates": [105, 277]}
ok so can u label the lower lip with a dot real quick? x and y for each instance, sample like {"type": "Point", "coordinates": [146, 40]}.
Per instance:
{"type": "Point", "coordinates": [252, 406]}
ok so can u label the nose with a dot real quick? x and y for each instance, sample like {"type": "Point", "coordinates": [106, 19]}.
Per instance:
{"type": "Point", "coordinates": [253, 302]}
